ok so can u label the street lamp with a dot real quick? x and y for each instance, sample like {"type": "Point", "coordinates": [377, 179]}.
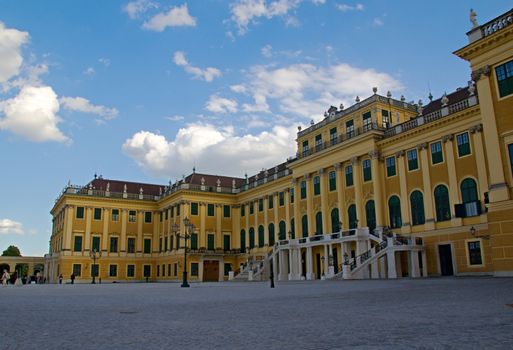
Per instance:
{"type": "Point", "coordinates": [189, 230]}
{"type": "Point", "coordinates": [94, 254]}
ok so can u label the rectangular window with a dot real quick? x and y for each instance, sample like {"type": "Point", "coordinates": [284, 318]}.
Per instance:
{"type": "Point", "coordinates": [132, 216]}
{"type": "Point", "coordinates": [113, 244]}
{"type": "Point", "coordinates": [390, 162]}
{"type": "Point", "coordinates": [77, 246]}
{"type": "Point", "coordinates": [436, 153]}
{"type": "Point", "coordinates": [175, 269]}
{"type": "Point", "coordinates": [317, 185]}
{"type": "Point", "coordinates": [147, 246]}
{"type": "Point", "coordinates": [80, 213]}
{"type": "Point", "coordinates": [474, 253]}
{"type": "Point", "coordinates": [367, 174]}
{"type": "Point", "coordinates": [161, 216]}
{"type": "Point", "coordinates": [281, 198]}
{"type": "Point", "coordinates": [251, 208]}
{"type": "Point", "coordinates": [210, 209]}
{"type": "Point", "coordinates": [115, 214]}
{"type": "Point", "coordinates": [226, 242]}
{"type": "Point", "coordinates": [96, 243]}
{"type": "Point", "coordinates": [318, 142]}
{"type": "Point", "coordinates": [413, 161]}
{"type": "Point", "coordinates": [77, 270]}
{"type": "Point", "coordinates": [147, 270]}
{"type": "Point", "coordinates": [349, 175]}
{"type": "Point", "coordinates": [194, 208]}
{"type": "Point", "coordinates": [333, 136]}
{"type": "Point", "coordinates": [305, 148]}
{"type": "Point", "coordinates": [194, 241]}
{"type": "Point", "coordinates": [165, 244]}
{"type": "Point", "coordinates": [463, 144]}
{"type": "Point", "coordinates": [113, 270]}
{"type": "Point", "coordinates": [97, 213]}
{"type": "Point", "coordinates": [172, 211]}
{"type": "Point", "coordinates": [227, 269]}
{"type": "Point", "coordinates": [367, 122]}
{"type": "Point", "coordinates": [332, 176]}
{"type": "Point", "coordinates": [385, 120]}
{"type": "Point", "coordinates": [210, 242]}
{"type": "Point", "coordinates": [349, 129]}
{"type": "Point", "coordinates": [130, 270]}
{"type": "Point", "coordinates": [260, 204]}
{"type": "Point", "coordinates": [168, 270]}
{"type": "Point", "coordinates": [303, 189]}
{"type": "Point", "coordinates": [131, 245]}
{"type": "Point", "coordinates": [166, 214]}
{"type": "Point", "coordinates": [504, 74]}
{"type": "Point", "coordinates": [270, 202]}
{"type": "Point", "coordinates": [160, 244]}
{"type": "Point", "coordinates": [226, 211]}
{"type": "Point", "coordinates": [291, 195]}
{"type": "Point", "coordinates": [194, 269]}
{"type": "Point", "coordinates": [243, 210]}
{"type": "Point", "coordinates": [178, 210]}
{"type": "Point", "coordinates": [147, 217]}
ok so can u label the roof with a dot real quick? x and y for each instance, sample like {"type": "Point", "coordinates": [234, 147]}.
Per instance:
{"type": "Point", "coordinates": [454, 97]}
{"type": "Point", "coordinates": [268, 172]}
{"type": "Point", "coordinates": [211, 180]}
{"type": "Point", "coordinates": [131, 187]}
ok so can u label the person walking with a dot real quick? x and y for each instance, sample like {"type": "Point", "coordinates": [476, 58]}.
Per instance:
{"type": "Point", "coordinates": [72, 278]}
{"type": "Point", "coordinates": [17, 280]}
{"type": "Point", "coordinates": [60, 278]}
{"type": "Point", "coordinates": [5, 278]}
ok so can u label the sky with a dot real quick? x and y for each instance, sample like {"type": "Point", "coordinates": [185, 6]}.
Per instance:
{"type": "Point", "coordinates": [146, 90]}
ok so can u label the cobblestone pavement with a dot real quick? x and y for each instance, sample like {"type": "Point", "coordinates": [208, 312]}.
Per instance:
{"type": "Point", "coordinates": [435, 313]}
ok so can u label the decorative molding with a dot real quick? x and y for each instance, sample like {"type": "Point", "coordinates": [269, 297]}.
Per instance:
{"type": "Point", "coordinates": [374, 154]}
{"type": "Point", "coordinates": [483, 71]}
{"type": "Point", "coordinates": [354, 161]}
{"type": "Point", "coordinates": [321, 171]}
{"type": "Point", "coordinates": [423, 145]}
{"type": "Point", "coordinates": [399, 154]}
{"type": "Point", "coordinates": [476, 128]}
{"type": "Point", "coordinates": [338, 166]}
{"type": "Point", "coordinates": [446, 138]}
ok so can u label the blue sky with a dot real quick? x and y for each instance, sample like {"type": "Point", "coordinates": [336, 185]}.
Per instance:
{"type": "Point", "coordinates": [145, 90]}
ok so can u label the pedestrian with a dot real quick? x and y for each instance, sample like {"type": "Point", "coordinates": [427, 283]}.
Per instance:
{"type": "Point", "coordinates": [60, 278]}
{"type": "Point", "coordinates": [17, 282]}
{"type": "Point", "coordinates": [72, 278]}
{"type": "Point", "coordinates": [5, 278]}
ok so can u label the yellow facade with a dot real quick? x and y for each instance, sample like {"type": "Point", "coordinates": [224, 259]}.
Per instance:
{"type": "Point", "coordinates": [441, 172]}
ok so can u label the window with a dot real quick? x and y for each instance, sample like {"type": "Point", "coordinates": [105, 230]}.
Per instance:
{"type": "Point", "coordinates": [417, 208]}
{"type": "Point", "coordinates": [194, 241]}
{"type": "Point", "coordinates": [270, 202]}
{"type": "Point", "coordinates": [442, 205]}
{"type": "Point", "coordinates": [96, 243]}
{"type": "Point", "coordinates": [115, 214]}
{"type": "Point", "coordinates": [318, 142]}
{"type": "Point", "coordinates": [291, 191]}
{"type": "Point", "coordinates": [175, 269]}
{"type": "Point", "coordinates": [335, 220]}
{"type": "Point", "coordinates": [305, 148]}
{"type": "Point", "coordinates": [210, 242]}
{"type": "Point", "coordinates": [77, 270]}
{"type": "Point", "coordinates": [97, 213]}
{"type": "Point", "coordinates": [113, 270]}
{"type": "Point", "coordinates": [333, 136]}
{"type": "Point", "coordinates": [163, 270]}
{"type": "Point", "coordinates": [251, 208]}
{"type": "Point", "coordinates": [132, 216]}
{"type": "Point", "coordinates": [194, 269]}
{"type": "Point", "coordinates": [160, 244]}
{"type": "Point", "coordinates": [317, 185]}
{"type": "Point", "coordinates": [413, 162]}
{"type": "Point", "coordinates": [261, 204]}
{"type": "Point", "coordinates": [161, 216]}
{"type": "Point", "coordinates": [178, 210]}
{"type": "Point", "coordinates": [332, 179]}
{"type": "Point", "coordinates": [463, 144]}
{"type": "Point", "coordinates": [166, 214]}
{"type": "Point", "coordinates": [226, 242]}
{"type": "Point", "coordinates": [168, 270]}
{"type": "Point", "coordinates": [194, 208]}
{"type": "Point", "coordinates": [390, 162]}
{"type": "Point", "coordinates": [367, 122]}
{"type": "Point", "coordinates": [147, 217]}
{"type": "Point", "coordinates": [471, 205]}
{"type": "Point", "coordinates": [303, 189]}
{"type": "Point", "coordinates": [80, 213]}
{"type": "Point", "coordinates": [385, 120]}
{"type": "Point", "coordinates": [210, 210]}
{"type": "Point", "coordinates": [226, 211]}
{"type": "Point", "coordinates": [113, 244]}
{"type": "Point", "coordinates": [349, 175]}
{"type": "Point", "coordinates": [351, 213]}
{"type": "Point", "coordinates": [147, 246]}
{"type": "Point", "coordinates": [130, 270]}
{"type": "Point", "coordinates": [261, 236]}
{"type": "Point", "coordinates": [367, 174]}
{"type": "Point", "coordinates": [281, 199]}
{"type": "Point", "coordinates": [318, 224]}
{"type": "Point", "coordinates": [227, 269]}
{"type": "Point", "coordinates": [504, 74]}
{"type": "Point", "coordinates": [165, 244]}
{"type": "Point", "coordinates": [436, 153]}
{"type": "Point", "coordinates": [147, 270]}
{"type": "Point", "coordinates": [77, 246]}
{"type": "Point", "coordinates": [282, 227]}
{"type": "Point", "coordinates": [243, 210]}
{"type": "Point", "coordinates": [271, 234]}
{"type": "Point", "coordinates": [242, 241]}
{"type": "Point", "coordinates": [172, 211]}
{"type": "Point", "coordinates": [131, 245]}
{"type": "Point", "coordinates": [394, 210]}
{"type": "Point", "coordinates": [293, 228]}
{"type": "Point", "coordinates": [370, 214]}
{"type": "Point", "coordinates": [349, 129]}
{"type": "Point", "coordinates": [474, 253]}
{"type": "Point", "coordinates": [304, 226]}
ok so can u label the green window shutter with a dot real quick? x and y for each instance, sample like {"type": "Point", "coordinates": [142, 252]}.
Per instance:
{"type": "Point", "coordinates": [282, 199]}
{"type": "Point", "coordinates": [226, 242]}
{"type": "Point", "coordinates": [194, 241]}
{"type": "Point", "coordinates": [367, 175]}
{"type": "Point", "coordinates": [463, 144]}
{"type": "Point", "coordinates": [317, 185]}
{"type": "Point", "coordinates": [349, 175]}
{"type": "Point", "coordinates": [147, 246]}
{"type": "Point", "coordinates": [260, 204]}
{"type": "Point", "coordinates": [96, 244]}
{"type": "Point", "coordinates": [226, 211]}
{"type": "Point", "coordinates": [97, 213]}
{"type": "Point", "coordinates": [303, 189]}
{"type": "Point", "coordinates": [77, 246]}
{"type": "Point", "coordinates": [194, 208]}
{"type": "Point", "coordinates": [270, 201]}
{"type": "Point", "coordinates": [332, 181]}
{"type": "Point", "coordinates": [390, 162]}
{"type": "Point", "coordinates": [210, 242]}
{"type": "Point", "coordinates": [80, 213]}
{"type": "Point", "coordinates": [210, 210]}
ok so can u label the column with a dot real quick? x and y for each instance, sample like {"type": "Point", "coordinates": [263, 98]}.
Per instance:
{"type": "Point", "coordinates": [255, 210]}
{"type": "Point", "coordinates": [155, 221]}
{"type": "Point", "coordinates": [139, 240]}
{"type": "Point", "coordinates": [309, 263]}
{"type": "Point", "coordinates": [482, 175]}
{"type": "Point", "coordinates": [124, 217]}
{"type": "Point", "coordinates": [105, 231]}
{"type": "Point", "coordinates": [202, 234]}
{"type": "Point", "coordinates": [266, 220]}
{"type": "Point", "coordinates": [392, 272]}
{"type": "Point", "coordinates": [87, 235]}
{"type": "Point", "coordinates": [324, 202]}
{"type": "Point", "coordinates": [282, 276]}
{"type": "Point", "coordinates": [405, 208]}
{"type": "Point", "coordinates": [341, 195]}
{"type": "Point", "coordinates": [454, 188]}
{"type": "Point", "coordinates": [297, 207]}
{"type": "Point", "coordinates": [287, 212]}
{"type": "Point", "coordinates": [331, 268]}
{"type": "Point", "coordinates": [276, 201]}
{"type": "Point", "coordinates": [68, 227]}
{"type": "Point", "coordinates": [426, 182]}
{"type": "Point", "coordinates": [424, 264]}
{"type": "Point", "coordinates": [358, 192]}
{"type": "Point", "coordinates": [219, 227]}
{"type": "Point", "coordinates": [235, 215]}
{"type": "Point", "coordinates": [309, 207]}
{"type": "Point", "coordinates": [247, 223]}
{"type": "Point", "coordinates": [377, 187]}
{"type": "Point", "coordinates": [414, 264]}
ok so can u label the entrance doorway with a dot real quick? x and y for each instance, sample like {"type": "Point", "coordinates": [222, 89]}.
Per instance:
{"type": "Point", "coordinates": [303, 264]}
{"type": "Point", "coordinates": [318, 269]}
{"type": "Point", "coordinates": [335, 259]}
{"type": "Point", "coordinates": [210, 271]}
{"type": "Point", "coordinates": [445, 255]}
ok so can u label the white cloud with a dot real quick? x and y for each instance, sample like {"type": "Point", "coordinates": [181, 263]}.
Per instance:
{"type": "Point", "coordinates": [267, 51]}
{"type": "Point", "coordinates": [211, 149]}
{"type": "Point", "coordinates": [346, 7]}
{"type": "Point", "coordinates": [81, 104]}
{"type": "Point", "coordinates": [175, 118]}
{"type": "Point", "coordinates": [30, 77]}
{"type": "Point", "coordinates": [378, 22]}
{"type": "Point", "coordinates": [245, 12]}
{"type": "Point", "coordinates": [32, 114]}
{"type": "Point", "coordinates": [218, 104]}
{"type": "Point", "coordinates": [11, 41]}
{"type": "Point", "coordinates": [176, 17]}
{"type": "Point", "coordinates": [238, 88]}
{"type": "Point", "coordinates": [319, 2]}
{"type": "Point", "coordinates": [89, 71]}
{"type": "Point", "coordinates": [8, 226]}
{"type": "Point", "coordinates": [104, 61]}
{"type": "Point", "coordinates": [135, 8]}
{"type": "Point", "coordinates": [208, 74]}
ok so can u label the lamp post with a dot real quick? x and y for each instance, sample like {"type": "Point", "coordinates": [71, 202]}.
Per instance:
{"type": "Point", "coordinates": [189, 230]}
{"type": "Point", "coordinates": [94, 254]}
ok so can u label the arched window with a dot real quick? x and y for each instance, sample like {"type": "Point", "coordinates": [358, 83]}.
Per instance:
{"type": "Point", "coordinates": [417, 208]}
{"type": "Point", "coordinates": [335, 220]}
{"type": "Point", "coordinates": [293, 228]}
{"type": "Point", "coordinates": [271, 234]}
{"type": "Point", "coordinates": [370, 214]}
{"type": "Point", "coordinates": [394, 210]}
{"type": "Point", "coordinates": [442, 206]}
{"type": "Point", "coordinates": [283, 228]}
{"type": "Point", "coordinates": [318, 224]}
{"type": "Point", "coordinates": [304, 225]}
{"type": "Point", "coordinates": [351, 213]}
{"type": "Point", "coordinates": [242, 241]}
{"type": "Point", "coordinates": [251, 238]}
{"type": "Point", "coordinates": [469, 191]}
{"type": "Point", "coordinates": [261, 236]}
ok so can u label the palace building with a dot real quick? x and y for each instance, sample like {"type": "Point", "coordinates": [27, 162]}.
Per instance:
{"type": "Point", "coordinates": [384, 188]}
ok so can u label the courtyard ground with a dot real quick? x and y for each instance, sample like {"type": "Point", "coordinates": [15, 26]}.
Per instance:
{"type": "Point", "coordinates": [434, 313]}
